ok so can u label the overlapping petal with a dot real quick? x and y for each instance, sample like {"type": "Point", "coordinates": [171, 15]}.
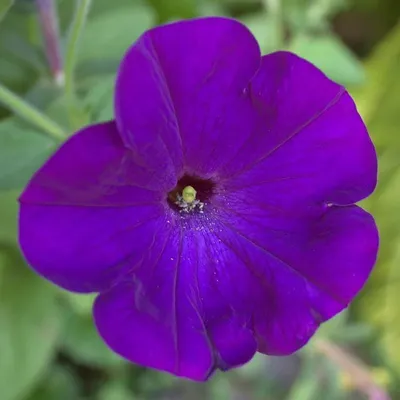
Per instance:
{"type": "Point", "coordinates": [306, 272]}
{"type": "Point", "coordinates": [212, 294]}
{"type": "Point", "coordinates": [179, 92]}
{"type": "Point", "coordinates": [311, 146]}
{"type": "Point", "coordinates": [87, 249]}
{"type": "Point", "coordinates": [94, 169]}
{"type": "Point", "coordinates": [90, 212]}
{"type": "Point", "coordinates": [169, 314]}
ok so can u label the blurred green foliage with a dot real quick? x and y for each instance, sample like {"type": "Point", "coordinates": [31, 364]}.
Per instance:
{"type": "Point", "coordinates": [379, 104]}
{"type": "Point", "coordinates": [49, 348]}
{"type": "Point", "coordinates": [5, 5]}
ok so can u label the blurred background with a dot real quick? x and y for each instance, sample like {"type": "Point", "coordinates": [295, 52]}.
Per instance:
{"type": "Point", "coordinates": [57, 65]}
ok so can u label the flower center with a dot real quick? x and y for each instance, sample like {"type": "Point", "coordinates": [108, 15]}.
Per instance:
{"type": "Point", "coordinates": [191, 194]}
{"type": "Point", "coordinates": [187, 201]}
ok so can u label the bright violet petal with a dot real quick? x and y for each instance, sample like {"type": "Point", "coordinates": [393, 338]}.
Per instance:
{"type": "Point", "coordinates": [93, 168]}
{"type": "Point", "coordinates": [295, 276]}
{"type": "Point", "coordinates": [232, 339]}
{"type": "Point", "coordinates": [312, 149]}
{"type": "Point", "coordinates": [89, 213]}
{"type": "Point", "coordinates": [167, 317]}
{"type": "Point", "coordinates": [175, 85]}
{"type": "Point", "coordinates": [87, 249]}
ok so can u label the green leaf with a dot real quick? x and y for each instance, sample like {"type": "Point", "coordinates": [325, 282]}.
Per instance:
{"type": "Point", "coordinates": [22, 151]}
{"type": "Point", "coordinates": [174, 9]}
{"type": "Point", "coordinates": [8, 216]}
{"type": "Point", "coordinates": [105, 6]}
{"type": "Point", "coordinates": [66, 9]}
{"type": "Point", "coordinates": [52, 101]}
{"type": "Point", "coordinates": [306, 386]}
{"type": "Point", "coordinates": [109, 35]}
{"type": "Point", "coordinates": [372, 304]}
{"type": "Point", "coordinates": [16, 75]}
{"type": "Point", "coordinates": [29, 326]}
{"type": "Point", "coordinates": [211, 9]}
{"type": "Point", "coordinates": [20, 57]}
{"type": "Point", "coordinates": [23, 51]}
{"type": "Point", "coordinates": [238, 5]}
{"type": "Point", "coordinates": [311, 16]}
{"type": "Point", "coordinates": [390, 338]}
{"type": "Point", "coordinates": [329, 329]}
{"type": "Point", "coordinates": [329, 54]}
{"type": "Point", "coordinates": [99, 99]}
{"type": "Point", "coordinates": [115, 391]}
{"type": "Point", "coordinates": [378, 102]}
{"type": "Point", "coordinates": [263, 29]}
{"type": "Point", "coordinates": [58, 384]}
{"type": "Point", "coordinates": [5, 5]}
{"type": "Point", "coordinates": [84, 345]}
{"type": "Point", "coordinates": [341, 329]}
{"type": "Point", "coordinates": [221, 389]}
{"type": "Point", "coordinates": [43, 94]}
{"type": "Point", "coordinates": [81, 303]}
{"type": "Point", "coordinates": [378, 99]}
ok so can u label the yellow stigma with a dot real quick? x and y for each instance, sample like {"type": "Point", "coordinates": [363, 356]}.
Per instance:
{"type": "Point", "coordinates": [189, 194]}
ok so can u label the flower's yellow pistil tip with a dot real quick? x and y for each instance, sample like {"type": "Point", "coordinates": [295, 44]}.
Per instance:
{"type": "Point", "coordinates": [189, 194]}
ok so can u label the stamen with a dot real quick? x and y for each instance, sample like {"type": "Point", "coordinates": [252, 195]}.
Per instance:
{"type": "Point", "coordinates": [187, 202]}
{"type": "Point", "coordinates": [189, 194]}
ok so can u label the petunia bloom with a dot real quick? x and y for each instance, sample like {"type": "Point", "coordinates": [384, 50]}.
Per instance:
{"type": "Point", "coordinates": [215, 215]}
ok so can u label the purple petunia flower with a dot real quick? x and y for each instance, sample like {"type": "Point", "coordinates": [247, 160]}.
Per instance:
{"type": "Point", "coordinates": [215, 216]}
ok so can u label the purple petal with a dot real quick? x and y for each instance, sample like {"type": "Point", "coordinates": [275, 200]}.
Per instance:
{"type": "Point", "coordinates": [292, 275]}
{"type": "Point", "coordinates": [86, 249]}
{"type": "Point", "coordinates": [170, 316]}
{"type": "Point", "coordinates": [310, 147]}
{"type": "Point", "coordinates": [90, 212]}
{"type": "Point", "coordinates": [93, 168]}
{"type": "Point", "coordinates": [177, 91]}
{"type": "Point", "coordinates": [205, 294]}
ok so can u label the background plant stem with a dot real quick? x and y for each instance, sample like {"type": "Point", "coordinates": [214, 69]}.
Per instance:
{"type": "Point", "coordinates": [359, 373]}
{"type": "Point", "coordinates": [51, 36]}
{"type": "Point", "coordinates": [76, 29]}
{"type": "Point", "coordinates": [30, 114]}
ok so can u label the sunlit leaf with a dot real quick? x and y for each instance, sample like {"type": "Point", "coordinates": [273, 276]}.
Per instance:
{"type": "Point", "coordinates": [311, 16]}
{"type": "Point", "coordinates": [264, 31]}
{"type": "Point", "coordinates": [378, 103]}
{"type": "Point", "coordinates": [81, 303]}
{"type": "Point", "coordinates": [390, 312]}
{"type": "Point", "coordinates": [378, 99]}
{"type": "Point", "coordinates": [329, 54]}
